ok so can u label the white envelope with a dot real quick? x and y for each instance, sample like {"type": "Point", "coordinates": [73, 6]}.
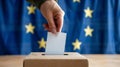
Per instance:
{"type": "Point", "coordinates": [55, 44]}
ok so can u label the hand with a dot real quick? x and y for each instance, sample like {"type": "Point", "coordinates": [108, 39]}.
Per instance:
{"type": "Point", "coordinates": [54, 16]}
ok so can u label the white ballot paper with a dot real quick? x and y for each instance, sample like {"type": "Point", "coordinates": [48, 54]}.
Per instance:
{"type": "Point", "coordinates": [55, 44]}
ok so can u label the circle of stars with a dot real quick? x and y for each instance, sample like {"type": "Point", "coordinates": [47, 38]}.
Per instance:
{"type": "Point", "coordinates": [76, 45]}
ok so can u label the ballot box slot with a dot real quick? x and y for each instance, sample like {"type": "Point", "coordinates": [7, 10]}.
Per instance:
{"type": "Point", "coordinates": [51, 54]}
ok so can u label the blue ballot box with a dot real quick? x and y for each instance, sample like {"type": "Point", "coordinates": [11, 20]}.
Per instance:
{"type": "Point", "coordinates": [69, 59]}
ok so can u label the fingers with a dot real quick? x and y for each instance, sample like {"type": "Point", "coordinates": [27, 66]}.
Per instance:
{"type": "Point", "coordinates": [46, 26]}
{"type": "Point", "coordinates": [55, 24]}
{"type": "Point", "coordinates": [51, 24]}
{"type": "Point", "coordinates": [59, 21]}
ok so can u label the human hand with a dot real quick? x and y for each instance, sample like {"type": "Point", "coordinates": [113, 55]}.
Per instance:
{"type": "Point", "coordinates": [54, 16]}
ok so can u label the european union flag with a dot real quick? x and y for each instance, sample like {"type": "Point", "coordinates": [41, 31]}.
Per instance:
{"type": "Point", "coordinates": [92, 27]}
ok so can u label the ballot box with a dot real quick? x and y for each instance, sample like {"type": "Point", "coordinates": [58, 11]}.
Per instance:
{"type": "Point", "coordinates": [69, 59]}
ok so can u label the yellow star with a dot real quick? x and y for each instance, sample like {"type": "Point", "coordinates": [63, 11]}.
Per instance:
{"type": "Point", "coordinates": [29, 28]}
{"type": "Point", "coordinates": [42, 43]}
{"type": "Point", "coordinates": [88, 12]}
{"type": "Point", "coordinates": [76, 44]}
{"type": "Point", "coordinates": [76, 1]}
{"type": "Point", "coordinates": [31, 9]}
{"type": "Point", "coordinates": [88, 31]}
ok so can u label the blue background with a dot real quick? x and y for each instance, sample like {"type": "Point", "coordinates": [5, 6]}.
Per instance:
{"type": "Point", "coordinates": [105, 22]}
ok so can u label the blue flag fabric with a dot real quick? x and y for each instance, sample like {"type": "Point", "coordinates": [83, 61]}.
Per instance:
{"type": "Point", "coordinates": [92, 27]}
